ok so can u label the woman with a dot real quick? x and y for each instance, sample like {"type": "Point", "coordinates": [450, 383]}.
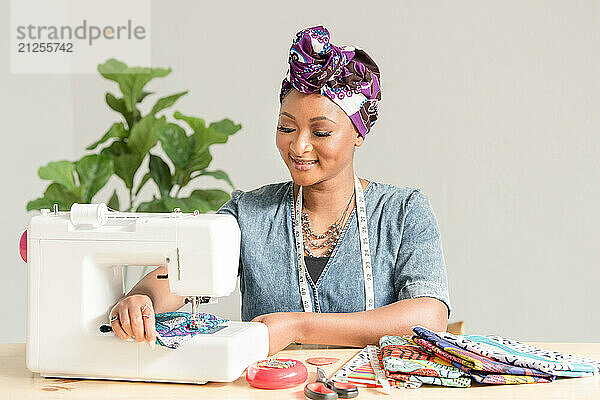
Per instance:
{"type": "Point", "coordinates": [372, 261]}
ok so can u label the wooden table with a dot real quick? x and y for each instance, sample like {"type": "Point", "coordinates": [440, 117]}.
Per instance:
{"type": "Point", "coordinates": [18, 383]}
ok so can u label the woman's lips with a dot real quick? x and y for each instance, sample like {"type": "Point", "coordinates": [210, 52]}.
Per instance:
{"type": "Point", "coordinates": [303, 166]}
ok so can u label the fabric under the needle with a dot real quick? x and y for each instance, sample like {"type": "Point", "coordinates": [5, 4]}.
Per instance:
{"type": "Point", "coordinates": [175, 328]}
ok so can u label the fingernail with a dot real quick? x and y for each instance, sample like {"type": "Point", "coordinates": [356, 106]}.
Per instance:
{"type": "Point", "coordinates": [152, 345]}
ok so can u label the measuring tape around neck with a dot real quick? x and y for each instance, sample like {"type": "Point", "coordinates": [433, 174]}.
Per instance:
{"type": "Point", "coordinates": [364, 247]}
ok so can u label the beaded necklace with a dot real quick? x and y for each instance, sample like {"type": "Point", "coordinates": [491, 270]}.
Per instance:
{"type": "Point", "coordinates": [331, 236]}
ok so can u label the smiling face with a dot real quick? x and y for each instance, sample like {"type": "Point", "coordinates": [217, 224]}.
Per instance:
{"type": "Point", "coordinates": [314, 130]}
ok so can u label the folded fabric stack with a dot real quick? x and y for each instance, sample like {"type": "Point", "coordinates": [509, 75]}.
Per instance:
{"type": "Point", "coordinates": [481, 369]}
{"type": "Point", "coordinates": [404, 360]}
{"type": "Point", "coordinates": [523, 355]}
{"type": "Point", "coordinates": [360, 372]}
{"type": "Point", "coordinates": [444, 359]}
{"type": "Point", "coordinates": [175, 328]}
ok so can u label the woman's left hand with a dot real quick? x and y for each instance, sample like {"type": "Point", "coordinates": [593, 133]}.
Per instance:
{"type": "Point", "coordinates": [283, 329]}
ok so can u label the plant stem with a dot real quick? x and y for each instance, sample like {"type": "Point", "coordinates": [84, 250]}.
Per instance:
{"type": "Point", "coordinates": [130, 199]}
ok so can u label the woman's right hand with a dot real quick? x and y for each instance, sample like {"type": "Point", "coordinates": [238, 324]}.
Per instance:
{"type": "Point", "coordinates": [134, 317]}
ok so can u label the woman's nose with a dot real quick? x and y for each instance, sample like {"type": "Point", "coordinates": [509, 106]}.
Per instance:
{"type": "Point", "coordinates": [301, 144]}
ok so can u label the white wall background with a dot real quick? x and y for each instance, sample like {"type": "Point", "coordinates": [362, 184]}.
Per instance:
{"type": "Point", "coordinates": [490, 107]}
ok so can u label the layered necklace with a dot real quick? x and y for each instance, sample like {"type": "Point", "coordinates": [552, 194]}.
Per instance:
{"type": "Point", "coordinates": [331, 236]}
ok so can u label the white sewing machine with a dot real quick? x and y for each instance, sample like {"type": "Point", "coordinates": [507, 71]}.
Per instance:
{"type": "Point", "coordinates": [75, 275]}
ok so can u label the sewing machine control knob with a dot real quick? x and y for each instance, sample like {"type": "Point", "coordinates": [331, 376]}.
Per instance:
{"type": "Point", "coordinates": [177, 210]}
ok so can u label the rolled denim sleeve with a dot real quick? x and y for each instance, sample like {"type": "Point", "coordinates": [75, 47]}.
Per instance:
{"type": "Point", "coordinates": [231, 208]}
{"type": "Point", "coordinates": [420, 269]}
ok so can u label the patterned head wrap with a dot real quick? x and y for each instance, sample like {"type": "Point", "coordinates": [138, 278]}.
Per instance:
{"type": "Point", "coordinates": [346, 74]}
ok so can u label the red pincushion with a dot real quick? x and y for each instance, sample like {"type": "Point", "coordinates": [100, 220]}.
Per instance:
{"type": "Point", "coordinates": [276, 378]}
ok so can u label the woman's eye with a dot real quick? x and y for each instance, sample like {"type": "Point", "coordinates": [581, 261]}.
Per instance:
{"type": "Point", "coordinates": [284, 130]}
{"type": "Point", "coordinates": [289, 130]}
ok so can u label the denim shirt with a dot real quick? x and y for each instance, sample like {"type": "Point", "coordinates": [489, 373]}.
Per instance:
{"type": "Point", "coordinates": [404, 239]}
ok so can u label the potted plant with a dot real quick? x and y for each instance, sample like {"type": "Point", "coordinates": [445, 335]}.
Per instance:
{"type": "Point", "coordinates": [125, 146]}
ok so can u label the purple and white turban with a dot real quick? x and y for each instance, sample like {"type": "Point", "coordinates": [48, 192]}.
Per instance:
{"type": "Point", "coordinates": [346, 74]}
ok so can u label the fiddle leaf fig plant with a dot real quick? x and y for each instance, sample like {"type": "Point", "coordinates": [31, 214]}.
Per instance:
{"type": "Point", "coordinates": [127, 143]}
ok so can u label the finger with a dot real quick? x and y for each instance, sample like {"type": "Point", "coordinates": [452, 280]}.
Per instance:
{"type": "Point", "coordinates": [125, 322]}
{"type": "Point", "coordinates": [149, 326]}
{"type": "Point", "coordinates": [137, 325]}
{"type": "Point", "coordinates": [118, 329]}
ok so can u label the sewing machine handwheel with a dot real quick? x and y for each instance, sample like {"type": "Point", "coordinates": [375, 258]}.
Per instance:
{"type": "Point", "coordinates": [23, 246]}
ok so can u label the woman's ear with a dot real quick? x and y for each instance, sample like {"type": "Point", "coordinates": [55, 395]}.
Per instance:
{"type": "Point", "coordinates": [358, 141]}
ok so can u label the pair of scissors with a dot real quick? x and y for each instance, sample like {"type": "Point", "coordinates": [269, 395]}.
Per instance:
{"type": "Point", "coordinates": [323, 389]}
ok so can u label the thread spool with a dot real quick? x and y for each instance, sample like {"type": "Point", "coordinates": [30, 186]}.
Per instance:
{"type": "Point", "coordinates": [91, 214]}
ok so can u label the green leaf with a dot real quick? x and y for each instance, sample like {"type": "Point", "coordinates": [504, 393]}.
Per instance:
{"type": "Point", "coordinates": [225, 127]}
{"type": "Point", "coordinates": [197, 124]}
{"type": "Point", "coordinates": [218, 174]}
{"type": "Point", "coordinates": [215, 197]}
{"type": "Point", "coordinates": [131, 80]}
{"type": "Point", "coordinates": [201, 200]}
{"type": "Point", "coordinates": [216, 132]}
{"type": "Point", "coordinates": [63, 196]}
{"type": "Point", "coordinates": [143, 135]}
{"type": "Point", "coordinates": [142, 183]}
{"type": "Point", "coordinates": [200, 161]}
{"type": "Point", "coordinates": [126, 165]}
{"type": "Point", "coordinates": [156, 205]}
{"type": "Point", "coordinates": [176, 144]}
{"type": "Point", "coordinates": [59, 171]}
{"type": "Point", "coordinates": [94, 171]}
{"type": "Point", "coordinates": [43, 202]}
{"type": "Point", "coordinates": [126, 162]}
{"type": "Point", "coordinates": [113, 203]}
{"type": "Point", "coordinates": [161, 174]}
{"type": "Point", "coordinates": [166, 102]}
{"type": "Point", "coordinates": [117, 130]}
{"type": "Point", "coordinates": [112, 69]}
{"type": "Point", "coordinates": [116, 104]}
{"type": "Point", "coordinates": [119, 106]}
{"type": "Point", "coordinates": [188, 204]}
{"type": "Point", "coordinates": [143, 96]}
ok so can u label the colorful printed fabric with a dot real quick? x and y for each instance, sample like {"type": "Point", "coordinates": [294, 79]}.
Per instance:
{"type": "Point", "coordinates": [346, 74]}
{"type": "Point", "coordinates": [403, 355]}
{"type": "Point", "coordinates": [464, 381]}
{"type": "Point", "coordinates": [524, 355]}
{"type": "Point", "coordinates": [482, 369]}
{"type": "Point", "coordinates": [404, 360]}
{"type": "Point", "coordinates": [175, 328]}
{"type": "Point", "coordinates": [484, 376]}
{"type": "Point", "coordinates": [360, 372]}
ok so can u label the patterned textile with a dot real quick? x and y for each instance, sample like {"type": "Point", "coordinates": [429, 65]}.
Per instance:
{"type": "Point", "coordinates": [346, 74]}
{"type": "Point", "coordinates": [482, 369]}
{"type": "Point", "coordinates": [176, 328]}
{"type": "Point", "coordinates": [360, 372]}
{"type": "Point", "coordinates": [403, 355]}
{"type": "Point", "coordinates": [524, 355]}
{"type": "Point", "coordinates": [464, 381]}
{"type": "Point", "coordinates": [404, 360]}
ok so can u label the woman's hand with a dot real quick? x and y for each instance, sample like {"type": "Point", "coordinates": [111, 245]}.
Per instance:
{"type": "Point", "coordinates": [284, 328]}
{"type": "Point", "coordinates": [135, 317]}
